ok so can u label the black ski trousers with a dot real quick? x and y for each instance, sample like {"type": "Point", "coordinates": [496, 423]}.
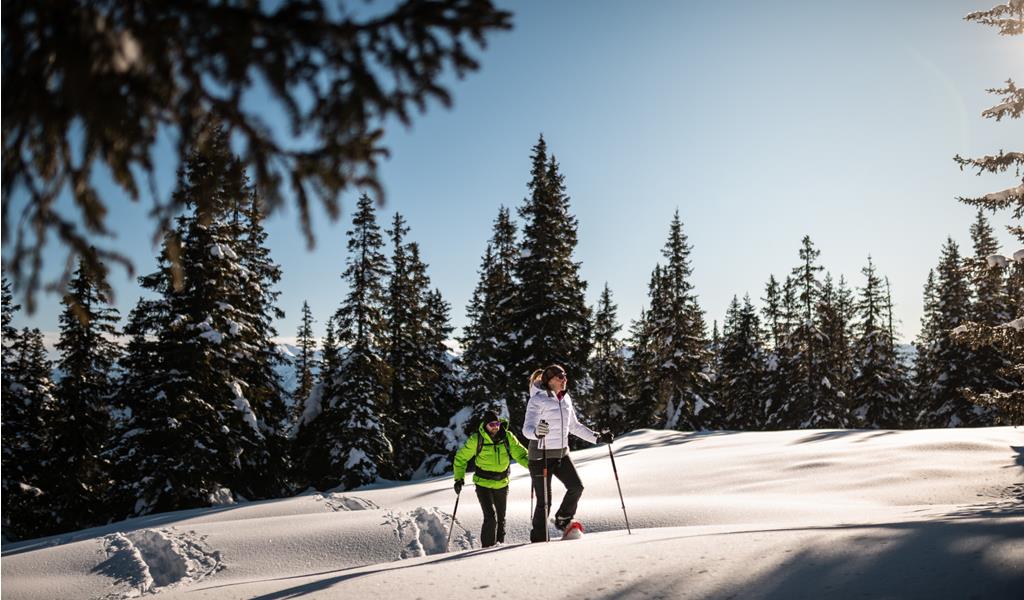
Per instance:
{"type": "Point", "coordinates": [565, 471]}
{"type": "Point", "coordinates": [493, 503]}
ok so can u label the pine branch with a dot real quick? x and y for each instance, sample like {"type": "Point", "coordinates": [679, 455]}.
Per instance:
{"type": "Point", "coordinates": [1008, 18]}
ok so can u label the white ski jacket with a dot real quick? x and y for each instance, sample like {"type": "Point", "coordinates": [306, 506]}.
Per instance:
{"type": "Point", "coordinates": [544, 405]}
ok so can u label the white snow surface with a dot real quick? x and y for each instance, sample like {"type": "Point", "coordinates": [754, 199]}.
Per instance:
{"type": "Point", "coordinates": [777, 515]}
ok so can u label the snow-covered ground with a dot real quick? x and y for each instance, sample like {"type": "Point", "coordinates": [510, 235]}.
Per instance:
{"type": "Point", "coordinates": [782, 515]}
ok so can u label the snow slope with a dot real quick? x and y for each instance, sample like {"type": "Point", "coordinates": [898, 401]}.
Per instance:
{"type": "Point", "coordinates": [780, 515]}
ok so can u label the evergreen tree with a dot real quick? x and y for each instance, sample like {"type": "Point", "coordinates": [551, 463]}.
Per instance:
{"type": "Point", "coordinates": [743, 372]}
{"type": "Point", "coordinates": [990, 308]}
{"type": "Point", "coordinates": [834, 317]}
{"type": "Point", "coordinates": [347, 442]}
{"type": "Point", "coordinates": [1001, 394]}
{"type": "Point", "coordinates": [403, 314]}
{"type": "Point", "coordinates": [552, 320]}
{"type": "Point", "coordinates": [681, 340]}
{"type": "Point", "coordinates": [28, 409]}
{"type": "Point", "coordinates": [199, 426]}
{"type": "Point", "coordinates": [945, 367]}
{"type": "Point", "coordinates": [714, 370]}
{"type": "Point", "coordinates": [305, 363]}
{"type": "Point", "coordinates": [778, 360]}
{"type": "Point", "coordinates": [923, 373]}
{"type": "Point", "coordinates": [607, 403]}
{"type": "Point", "coordinates": [331, 355]}
{"type": "Point", "coordinates": [802, 362]}
{"type": "Point", "coordinates": [878, 388]}
{"type": "Point", "coordinates": [82, 425]}
{"type": "Point", "coordinates": [422, 385]}
{"type": "Point", "coordinates": [990, 304]}
{"type": "Point", "coordinates": [1015, 290]}
{"type": "Point", "coordinates": [441, 389]}
{"type": "Point", "coordinates": [489, 340]}
{"type": "Point", "coordinates": [773, 313]}
{"type": "Point", "coordinates": [258, 359]}
{"type": "Point", "coordinates": [9, 335]}
{"type": "Point", "coordinates": [642, 401]}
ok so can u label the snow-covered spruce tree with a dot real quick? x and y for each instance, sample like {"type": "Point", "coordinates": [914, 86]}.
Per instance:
{"type": "Point", "coordinates": [654, 317]}
{"type": "Point", "coordinates": [441, 391]}
{"type": "Point", "coordinates": [330, 357]}
{"type": "Point", "coordinates": [641, 405]}
{"type": "Point", "coordinates": [1005, 397]}
{"type": "Point", "coordinates": [990, 308]}
{"type": "Point", "coordinates": [489, 346]}
{"type": "Point", "coordinates": [991, 304]}
{"type": "Point", "coordinates": [834, 317]}
{"type": "Point", "coordinates": [346, 443]}
{"type": "Point", "coordinates": [28, 408]}
{"type": "Point", "coordinates": [803, 357]}
{"type": "Point", "coordinates": [82, 426]}
{"type": "Point", "coordinates": [403, 315]}
{"type": "Point", "coordinates": [305, 363]}
{"type": "Point", "coordinates": [879, 386]}
{"type": "Point", "coordinates": [777, 360]}
{"type": "Point", "coordinates": [9, 334]}
{"type": "Point", "coordinates": [607, 402]}
{"type": "Point", "coordinates": [742, 377]}
{"type": "Point", "coordinates": [680, 335]}
{"type": "Point", "coordinates": [270, 470]}
{"type": "Point", "coordinates": [552, 319]}
{"type": "Point", "coordinates": [923, 375]}
{"type": "Point", "coordinates": [422, 388]}
{"type": "Point", "coordinates": [945, 366]}
{"type": "Point", "coordinates": [713, 370]}
{"type": "Point", "coordinates": [194, 437]}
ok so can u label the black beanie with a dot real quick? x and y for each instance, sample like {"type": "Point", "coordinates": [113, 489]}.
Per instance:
{"type": "Point", "coordinates": [490, 416]}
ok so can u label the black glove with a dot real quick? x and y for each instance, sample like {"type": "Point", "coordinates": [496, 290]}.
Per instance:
{"type": "Point", "coordinates": [605, 437]}
{"type": "Point", "coordinates": [458, 486]}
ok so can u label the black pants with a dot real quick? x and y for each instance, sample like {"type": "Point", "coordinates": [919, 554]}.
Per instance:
{"type": "Point", "coordinates": [565, 471]}
{"type": "Point", "coordinates": [493, 504]}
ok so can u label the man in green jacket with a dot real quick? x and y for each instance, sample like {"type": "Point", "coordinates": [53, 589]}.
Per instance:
{"type": "Point", "coordinates": [494, 447]}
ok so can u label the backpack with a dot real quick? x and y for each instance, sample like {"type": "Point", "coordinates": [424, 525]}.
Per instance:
{"type": "Point", "coordinates": [471, 464]}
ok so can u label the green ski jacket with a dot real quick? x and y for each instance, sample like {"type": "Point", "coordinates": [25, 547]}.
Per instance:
{"type": "Point", "coordinates": [492, 459]}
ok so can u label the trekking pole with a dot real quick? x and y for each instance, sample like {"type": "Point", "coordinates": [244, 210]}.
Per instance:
{"type": "Point", "coordinates": [531, 496]}
{"type": "Point", "coordinates": [452, 528]}
{"type": "Point", "coordinates": [611, 455]}
{"type": "Point", "coordinates": [547, 490]}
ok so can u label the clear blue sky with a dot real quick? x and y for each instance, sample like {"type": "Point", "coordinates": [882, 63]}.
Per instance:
{"type": "Point", "coordinates": [759, 121]}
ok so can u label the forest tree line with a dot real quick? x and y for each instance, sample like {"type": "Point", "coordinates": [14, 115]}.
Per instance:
{"type": "Point", "coordinates": [182, 406]}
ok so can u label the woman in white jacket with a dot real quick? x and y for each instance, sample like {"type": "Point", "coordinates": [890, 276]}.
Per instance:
{"type": "Point", "coordinates": [550, 418]}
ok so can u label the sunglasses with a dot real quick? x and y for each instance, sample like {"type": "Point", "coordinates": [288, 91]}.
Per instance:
{"type": "Point", "coordinates": [561, 376]}
{"type": "Point", "coordinates": [494, 424]}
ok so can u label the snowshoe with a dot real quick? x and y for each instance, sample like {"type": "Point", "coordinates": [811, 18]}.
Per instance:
{"type": "Point", "coordinates": [573, 531]}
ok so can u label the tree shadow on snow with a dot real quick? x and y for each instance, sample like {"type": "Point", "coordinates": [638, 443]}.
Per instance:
{"type": "Point", "coordinates": [828, 436]}
{"type": "Point", "coordinates": [623, 446]}
{"type": "Point", "coordinates": [324, 584]}
{"type": "Point", "coordinates": [959, 556]}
